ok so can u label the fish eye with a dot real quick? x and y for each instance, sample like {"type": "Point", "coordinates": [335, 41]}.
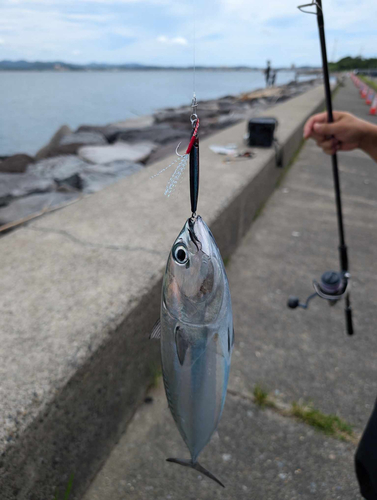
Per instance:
{"type": "Point", "coordinates": [180, 255]}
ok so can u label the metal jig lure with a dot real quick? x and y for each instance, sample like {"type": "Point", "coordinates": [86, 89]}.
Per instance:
{"type": "Point", "coordinates": [333, 285]}
{"type": "Point", "coordinates": [192, 155]}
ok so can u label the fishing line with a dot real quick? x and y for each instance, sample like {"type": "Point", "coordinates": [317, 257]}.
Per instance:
{"type": "Point", "coordinates": [183, 160]}
{"type": "Point", "coordinates": [194, 52]}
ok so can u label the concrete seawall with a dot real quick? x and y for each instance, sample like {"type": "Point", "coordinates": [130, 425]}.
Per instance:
{"type": "Point", "coordinates": [80, 291]}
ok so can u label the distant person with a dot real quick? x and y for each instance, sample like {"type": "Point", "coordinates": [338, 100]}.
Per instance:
{"type": "Point", "coordinates": [345, 134]}
{"type": "Point", "coordinates": [267, 72]}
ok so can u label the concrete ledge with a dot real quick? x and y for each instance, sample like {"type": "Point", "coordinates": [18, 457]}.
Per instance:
{"type": "Point", "coordinates": [80, 291]}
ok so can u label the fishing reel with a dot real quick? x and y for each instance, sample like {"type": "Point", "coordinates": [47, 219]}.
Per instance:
{"type": "Point", "coordinates": [332, 287]}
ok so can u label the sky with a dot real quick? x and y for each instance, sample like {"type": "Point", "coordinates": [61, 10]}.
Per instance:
{"type": "Point", "coordinates": [161, 32]}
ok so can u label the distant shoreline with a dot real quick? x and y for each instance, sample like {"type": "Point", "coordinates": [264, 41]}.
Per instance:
{"type": "Point", "coordinates": [58, 66]}
{"type": "Point", "coordinates": [118, 70]}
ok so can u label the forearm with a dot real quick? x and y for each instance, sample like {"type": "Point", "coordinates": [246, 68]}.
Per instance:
{"type": "Point", "coordinates": [368, 143]}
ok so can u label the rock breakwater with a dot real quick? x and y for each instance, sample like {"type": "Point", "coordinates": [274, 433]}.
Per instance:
{"type": "Point", "coordinates": [81, 162]}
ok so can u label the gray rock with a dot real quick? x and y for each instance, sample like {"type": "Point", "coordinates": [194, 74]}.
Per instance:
{"type": "Point", "coordinates": [16, 164]}
{"type": "Point", "coordinates": [54, 141]}
{"type": "Point", "coordinates": [67, 149]}
{"type": "Point", "coordinates": [83, 138]}
{"type": "Point", "coordinates": [180, 116]}
{"type": "Point", "coordinates": [19, 209]}
{"type": "Point", "coordinates": [138, 152]}
{"type": "Point", "coordinates": [96, 177]}
{"type": "Point", "coordinates": [161, 134]}
{"type": "Point", "coordinates": [62, 170]}
{"type": "Point", "coordinates": [72, 182]}
{"type": "Point", "coordinates": [17, 185]}
{"type": "Point", "coordinates": [108, 131]}
{"type": "Point", "coordinates": [138, 122]}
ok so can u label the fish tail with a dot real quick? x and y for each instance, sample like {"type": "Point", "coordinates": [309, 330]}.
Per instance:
{"type": "Point", "coordinates": [196, 466]}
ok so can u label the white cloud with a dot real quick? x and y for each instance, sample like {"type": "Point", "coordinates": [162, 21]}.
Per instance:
{"type": "Point", "coordinates": [86, 2]}
{"type": "Point", "coordinates": [179, 40]}
{"type": "Point", "coordinates": [229, 32]}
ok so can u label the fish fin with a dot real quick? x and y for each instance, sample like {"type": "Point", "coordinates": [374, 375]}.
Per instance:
{"type": "Point", "coordinates": [196, 466]}
{"type": "Point", "coordinates": [156, 330]}
{"type": "Point", "coordinates": [182, 343]}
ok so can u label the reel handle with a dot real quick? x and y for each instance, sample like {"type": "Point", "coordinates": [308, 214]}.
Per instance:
{"type": "Point", "coordinates": [294, 302]}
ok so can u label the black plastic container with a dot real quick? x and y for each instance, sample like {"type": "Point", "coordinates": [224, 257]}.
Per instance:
{"type": "Point", "coordinates": [261, 132]}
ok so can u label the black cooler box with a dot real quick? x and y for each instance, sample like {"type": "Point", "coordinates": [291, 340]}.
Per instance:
{"type": "Point", "coordinates": [261, 132]}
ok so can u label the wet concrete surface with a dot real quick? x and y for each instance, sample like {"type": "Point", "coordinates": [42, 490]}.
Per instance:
{"type": "Point", "coordinates": [297, 355]}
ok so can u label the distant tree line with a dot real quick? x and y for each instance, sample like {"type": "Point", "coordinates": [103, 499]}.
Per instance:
{"type": "Point", "coordinates": [350, 63]}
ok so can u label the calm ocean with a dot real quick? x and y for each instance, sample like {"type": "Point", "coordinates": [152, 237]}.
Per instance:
{"type": "Point", "coordinates": [33, 105]}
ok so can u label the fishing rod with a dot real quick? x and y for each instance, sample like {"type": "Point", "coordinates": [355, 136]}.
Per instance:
{"type": "Point", "coordinates": [333, 285]}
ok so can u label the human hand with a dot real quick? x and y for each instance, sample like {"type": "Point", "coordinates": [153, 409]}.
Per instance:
{"type": "Point", "coordinates": [345, 134]}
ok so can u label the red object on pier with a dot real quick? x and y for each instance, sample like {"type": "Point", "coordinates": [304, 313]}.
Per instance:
{"type": "Point", "coordinates": [370, 97]}
{"type": "Point", "coordinates": [373, 109]}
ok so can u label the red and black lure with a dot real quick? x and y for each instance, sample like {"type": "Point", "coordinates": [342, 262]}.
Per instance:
{"type": "Point", "coordinates": [191, 156]}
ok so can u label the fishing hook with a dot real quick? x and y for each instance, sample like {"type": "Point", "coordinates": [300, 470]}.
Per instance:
{"type": "Point", "coordinates": [176, 151]}
{"type": "Point", "coordinates": [192, 141]}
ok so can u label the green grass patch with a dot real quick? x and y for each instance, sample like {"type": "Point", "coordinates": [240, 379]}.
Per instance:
{"type": "Point", "coordinates": [368, 82]}
{"type": "Point", "coordinates": [331, 425]}
{"type": "Point", "coordinates": [262, 397]}
{"type": "Point", "coordinates": [67, 491]}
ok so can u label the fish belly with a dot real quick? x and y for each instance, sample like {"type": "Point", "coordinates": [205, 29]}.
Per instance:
{"type": "Point", "coordinates": [196, 389]}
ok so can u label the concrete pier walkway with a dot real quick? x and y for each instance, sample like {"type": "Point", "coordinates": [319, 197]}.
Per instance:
{"type": "Point", "coordinates": [297, 355]}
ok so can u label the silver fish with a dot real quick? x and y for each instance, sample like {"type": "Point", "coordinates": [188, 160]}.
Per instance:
{"type": "Point", "coordinates": [197, 337]}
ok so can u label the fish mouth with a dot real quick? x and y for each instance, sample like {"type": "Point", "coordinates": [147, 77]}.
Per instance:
{"type": "Point", "coordinates": [192, 226]}
{"type": "Point", "coordinates": [200, 235]}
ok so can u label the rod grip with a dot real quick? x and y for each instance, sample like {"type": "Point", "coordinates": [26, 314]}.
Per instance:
{"type": "Point", "coordinates": [349, 320]}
